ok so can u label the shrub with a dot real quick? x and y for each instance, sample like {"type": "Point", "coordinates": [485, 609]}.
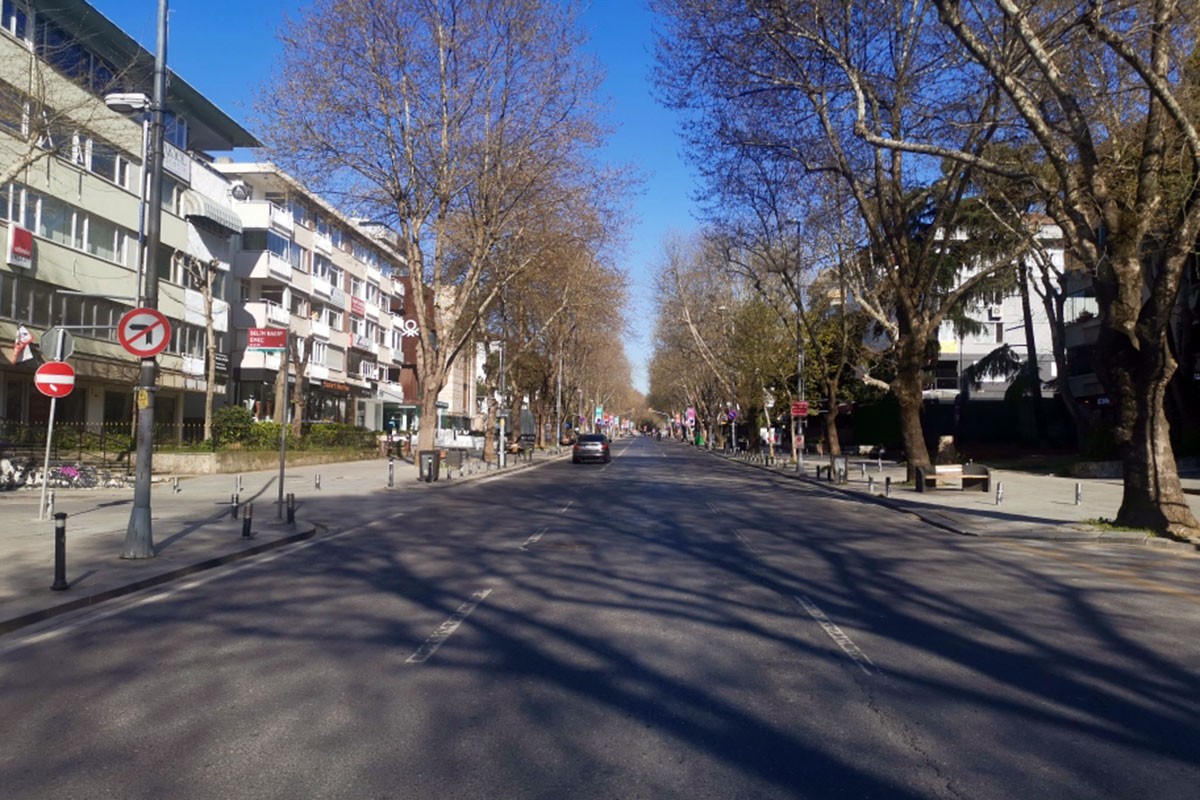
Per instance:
{"type": "Point", "coordinates": [232, 424]}
{"type": "Point", "coordinates": [333, 436]}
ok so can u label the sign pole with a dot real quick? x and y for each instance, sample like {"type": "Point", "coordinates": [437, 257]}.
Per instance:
{"type": "Point", "coordinates": [283, 428]}
{"type": "Point", "coordinates": [58, 352]}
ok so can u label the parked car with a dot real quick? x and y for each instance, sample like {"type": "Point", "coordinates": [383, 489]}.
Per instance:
{"type": "Point", "coordinates": [590, 447]}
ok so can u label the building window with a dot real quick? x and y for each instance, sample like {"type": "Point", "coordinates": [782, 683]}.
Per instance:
{"type": "Point", "coordinates": [14, 18]}
{"type": "Point", "coordinates": [319, 352]}
{"type": "Point", "coordinates": [102, 240]}
{"type": "Point", "coordinates": [175, 129]}
{"type": "Point", "coordinates": [56, 220]}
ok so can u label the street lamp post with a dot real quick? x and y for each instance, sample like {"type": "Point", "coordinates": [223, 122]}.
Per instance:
{"type": "Point", "coordinates": [137, 103]}
{"type": "Point", "coordinates": [139, 536]}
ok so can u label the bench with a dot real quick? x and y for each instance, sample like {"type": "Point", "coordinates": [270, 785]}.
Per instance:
{"type": "Point", "coordinates": [968, 476]}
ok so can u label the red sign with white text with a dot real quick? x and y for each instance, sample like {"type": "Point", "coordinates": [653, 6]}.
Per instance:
{"type": "Point", "coordinates": [20, 246]}
{"type": "Point", "coordinates": [266, 338]}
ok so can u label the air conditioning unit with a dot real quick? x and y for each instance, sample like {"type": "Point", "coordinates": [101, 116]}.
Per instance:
{"type": "Point", "coordinates": [995, 313]}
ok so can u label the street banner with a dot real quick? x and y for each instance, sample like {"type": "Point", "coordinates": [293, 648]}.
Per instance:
{"type": "Point", "coordinates": [22, 350]}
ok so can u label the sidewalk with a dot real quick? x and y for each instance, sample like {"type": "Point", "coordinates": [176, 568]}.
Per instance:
{"type": "Point", "coordinates": [1020, 505]}
{"type": "Point", "coordinates": [194, 529]}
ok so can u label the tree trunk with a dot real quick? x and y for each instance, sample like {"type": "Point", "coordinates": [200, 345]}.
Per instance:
{"type": "Point", "coordinates": [1136, 374]}
{"type": "Point", "coordinates": [831, 430]}
{"type": "Point", "coordinates": [210, 347]}
{"type": "Point", "coordinates": [907, 387]}
{"type": "Point", "coordinates": [489, 431]}
{"type": "Point", "coordinates": [427, 432]}
{"type": "Point", "coordinates": [1039, 414]}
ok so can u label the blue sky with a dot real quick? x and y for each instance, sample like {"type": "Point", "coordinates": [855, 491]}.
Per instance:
{"type": "Point", "coordinates": [227, 48]}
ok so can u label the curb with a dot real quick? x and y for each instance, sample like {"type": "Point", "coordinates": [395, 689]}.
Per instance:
{"type": "Point", "coordinates": [1065, 532]}
{"type": "Point", "coordinates": [33, 617]}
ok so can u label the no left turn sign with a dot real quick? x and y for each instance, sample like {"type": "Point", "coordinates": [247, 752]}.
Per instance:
{"type": "Point", "coordinates": [144, 332]}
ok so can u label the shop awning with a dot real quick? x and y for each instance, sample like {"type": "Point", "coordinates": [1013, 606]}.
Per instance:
{"type": "Point", "coordinates": [197, 205]}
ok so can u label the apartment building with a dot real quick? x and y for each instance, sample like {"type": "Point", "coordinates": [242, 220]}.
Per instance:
{"type": "Point", "coordinates": [338, 285]}
{"type": "Point", "coordinates": [71, 216]}
{"type": "Point", "coordinates": [1001, 321]}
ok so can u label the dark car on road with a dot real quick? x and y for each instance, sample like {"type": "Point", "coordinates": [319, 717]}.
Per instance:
{"type": "Point", "coordinates": [590, 447]}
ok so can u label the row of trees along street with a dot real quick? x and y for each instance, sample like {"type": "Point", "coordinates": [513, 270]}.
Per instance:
{"type": "Point", "coordinates": [468, 127]}
{"type": "Point", "coordinates": [873, 169]}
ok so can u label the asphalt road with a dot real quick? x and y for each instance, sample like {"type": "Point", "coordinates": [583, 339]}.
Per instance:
{"type": "Point", "coordinates": [667, 626]}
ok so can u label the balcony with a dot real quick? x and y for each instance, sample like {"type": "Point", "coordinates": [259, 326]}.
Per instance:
{"type": "Point", "coordinates": [322, 287]}
{"type": "Point", "coordinates": [318, 372]}
{"type": "Point", "coordinates": [260, 359]}
{"type": "Point", "coordinates": [261, 215]}
{"type": "Point", "coordinates": [265, 313]}
{"type": "Point", "coordinates": [262, 265]}
{"type": "Point", "coordinates": [322, 243]}
{"type": "Point", "coordinates": [320, 329]}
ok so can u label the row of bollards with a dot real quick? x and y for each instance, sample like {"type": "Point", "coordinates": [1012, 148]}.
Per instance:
{"type": "Point", "coordinates": [247, 515]}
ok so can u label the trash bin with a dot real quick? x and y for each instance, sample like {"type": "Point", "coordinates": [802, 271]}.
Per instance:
{"type": "Point", "coordinates": [429, 464]}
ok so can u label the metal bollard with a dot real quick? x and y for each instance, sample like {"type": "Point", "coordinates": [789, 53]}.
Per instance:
{"type": "Point", "coordinates": [60, 553]}
{"type": "Point", "coordinates": [999, 492]}
{"type": "Point", "coordinates": [246, 520]}
{"type": "Point", "coordinates": [317, 481]}
{"type": "Point", "coordinates": [233, 505]}
{"type": "Point", "coordinates": [862, 469]}
{"type": "Point", "coordinates": [291, 508]}
{"type": "Point", "coordinates": [50, 504]}
{"type": "Point", "coordinates": [870, 484]}
{"type": "Point", "coordinates": [175, 485]}
{"type": "Point", "coordinates": [1078, 493]}
{"type": "Point", "coordinates": [391, 472]}
{"type": "Point", "coordinates": [887, 486]}
{"type": "Point", "coordinates": [237, 484]}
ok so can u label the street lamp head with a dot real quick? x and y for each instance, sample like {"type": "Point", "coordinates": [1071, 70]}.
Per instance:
{"type": "Point", "coordinates": [127, 102]}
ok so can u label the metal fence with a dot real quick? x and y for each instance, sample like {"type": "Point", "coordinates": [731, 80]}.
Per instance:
{"type": "Point", "coordinates": [111, 444]}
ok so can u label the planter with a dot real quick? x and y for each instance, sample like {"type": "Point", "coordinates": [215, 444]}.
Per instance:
{"type": "Point", "coordinates": [234, 461]}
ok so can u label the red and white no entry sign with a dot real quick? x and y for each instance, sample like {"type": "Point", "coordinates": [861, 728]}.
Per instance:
{"type": "Point", "coordinates": [144, 332]}
{"type": "Point", "coordinates": [55, 378]}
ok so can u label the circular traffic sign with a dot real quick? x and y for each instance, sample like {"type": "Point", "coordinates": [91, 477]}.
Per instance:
{"type": "Point", "coordinates": [144, 332]}
{"type": "Point", "coordinates": [55, 378]}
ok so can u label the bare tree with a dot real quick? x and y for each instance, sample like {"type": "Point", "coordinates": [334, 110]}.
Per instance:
{"type": "Point", "coordinates": [1102, 97]}
{"type": "Point", "coordinates": [458, 121]}
{"type": "Point", "coordinates": [202, 274]}
{"type": "Point", "coordinates": [773, 77]}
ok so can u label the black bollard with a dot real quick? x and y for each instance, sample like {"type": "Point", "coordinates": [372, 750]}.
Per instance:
{"type": "Point", "coordinates": [233, 505]}
{"type": "Point", "coordinates": [246, 518]}
{"type": "Point", "coordinates": [887, 486]}
{"type": "Point", "coordinates": [60, 552]}
{"type": "Point", "coordinates": [291, 508]}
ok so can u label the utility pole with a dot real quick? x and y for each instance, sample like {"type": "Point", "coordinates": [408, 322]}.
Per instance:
{"type": "Point", "coordinates": [139, 536]}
